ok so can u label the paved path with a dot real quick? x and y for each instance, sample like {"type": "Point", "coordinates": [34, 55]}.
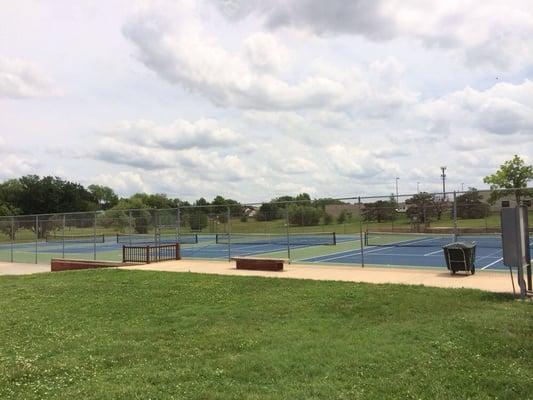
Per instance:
{"type": "Point", "coordinates": [22, 268]}
{"type": "Point", "coordinates": [484, 280]}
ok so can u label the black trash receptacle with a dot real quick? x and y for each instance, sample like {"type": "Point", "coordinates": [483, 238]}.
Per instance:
{"type": "Point", "coordinates": [460, 256]}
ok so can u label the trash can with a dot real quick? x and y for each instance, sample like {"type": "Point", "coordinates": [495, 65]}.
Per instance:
{"type": "Point", "coordinates": [460, 256]}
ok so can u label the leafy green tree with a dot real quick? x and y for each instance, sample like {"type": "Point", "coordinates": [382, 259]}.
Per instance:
{"type": "Point", "coordinates": [7, 209]}
{"type": "Point", "coordinates": [322, 203]}
{"type": "Point", "coordinates": [510, 180]}
{"type": "Point", "coordinates": [304, 215]}
{"type": "Point", "coordinates": [34, 195]}
{"type": "Point", "coordinates": [157, 201]}
{"type": "Point", "coordinates": [10, 193]}
{"type": "Point", "coordinates": [422, 207]}
{"type": "Point", "coordinates": [267, 212]}
{"type": "Point", "coordinates": [343, 216]}
{"type": "Point", "coordinates": [104, 195]}
{"type": "Point", "coordinates": [197, 220]}
{"type": "Point", "coordinates": [328, 219]}
{"type": "Point", "coordinates": [470, 206]}
{"type": "Point", "coordinates": [379, 211]}
{"type": "Point", "coordinates": [141, 218]}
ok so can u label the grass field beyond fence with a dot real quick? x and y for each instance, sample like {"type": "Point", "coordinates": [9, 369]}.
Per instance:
{"type": "Point", "coordinates": [137, 335]}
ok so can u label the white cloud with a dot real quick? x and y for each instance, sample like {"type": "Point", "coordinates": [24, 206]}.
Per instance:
{"type": "Point", "coordinates": [265, 54]}
{"type": "Point", "coordinates": [14, 163]}
{"type": "Point", "coordinates": [493, 32]}
{"type": "Point", "coordinates": [123, 182]}
{"type": "Point", "coordinates": [197, 61]}
{"type": "Point", "coordinates": [503, 109]}
{"type": "Point", "coordinates": [20, 79]}
{"type": "Point", "coordinates": [180, 134]}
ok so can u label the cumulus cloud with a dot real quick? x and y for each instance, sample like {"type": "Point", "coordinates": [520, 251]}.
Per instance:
{"type": "Point", "coordinates": [251, 78]}
{"type": "Point", "coordinates": [20, 79]}
{"type": "Point", "coordinates": [124, 182]}
{"type": "Point", "coordinates": [180, 134]}
{"type": "Point", "coordinates": [265, 54]}
{"type": "Point", "coordinates": [14, 163]}
{"type": "Point", "coordinates": [187, 147]}
{"type": "Point", "coordinates": [504, 109]}
{"type": "Point", "coordinates": [493, 33]}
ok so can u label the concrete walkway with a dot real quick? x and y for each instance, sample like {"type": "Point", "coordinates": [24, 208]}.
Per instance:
{"type": "Point", "coordinates": [7, 268]}
{"type": "Point", "coordinates": [483, 280]}
{"type": "Point", "coordinates": [489, 281]}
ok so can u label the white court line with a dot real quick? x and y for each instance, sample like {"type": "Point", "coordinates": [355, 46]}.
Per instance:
{"type": "Point", "coordinates": [350, 255]}
{"type": "Point", "coordinates": [433, 252]}
{"type": "Point", "coordinates": [492, 263]}
{"type": "Point", "coordinates": [490, 255]}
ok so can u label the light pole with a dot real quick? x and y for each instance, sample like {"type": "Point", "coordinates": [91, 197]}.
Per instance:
{"type": "Point", "coordinates": [397, 197]}
{"type": "Point", "coordinates": [462, 187]}
{"type": "Point", "coordinates": [418, 187]}
{"type": "Point", "coordinates": [443, 176]}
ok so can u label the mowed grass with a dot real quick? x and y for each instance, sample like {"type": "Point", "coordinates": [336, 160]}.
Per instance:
{"type": "Point", "coordinates": [116, 334]}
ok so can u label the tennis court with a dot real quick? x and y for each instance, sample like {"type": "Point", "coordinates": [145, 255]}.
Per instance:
{"type": "Point", "coordinates": [380, 248]}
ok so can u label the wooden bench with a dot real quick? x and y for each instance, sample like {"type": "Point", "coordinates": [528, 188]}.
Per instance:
{"type": "Point", "coordinates": [259, 264]}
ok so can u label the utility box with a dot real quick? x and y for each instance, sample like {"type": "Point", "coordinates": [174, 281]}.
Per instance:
{"type": "Point", "coordinates": [515, 242]}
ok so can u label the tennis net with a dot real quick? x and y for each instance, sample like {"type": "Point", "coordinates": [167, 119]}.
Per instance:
{"type": "Point", "coordinates": [295, 239]}
{"type": "Point", "coordinates": [400, 239]}
{"type": "Point", "coordinates": [127, 238]}
{"type": "Point", "coordinates": [75, 238]}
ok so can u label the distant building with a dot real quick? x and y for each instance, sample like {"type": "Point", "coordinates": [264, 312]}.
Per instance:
{"type": "Point", "coordinates": [506, 201]}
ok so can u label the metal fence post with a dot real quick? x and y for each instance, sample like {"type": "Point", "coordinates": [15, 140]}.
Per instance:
{"type": "Point", "coordinates": [94, 236]}
{"type": "Point", "coordinates": [287, 224]}
{"type": "Point", "coordinates": [36, 237]}
{"type": "Point", "coordinates": [148, 254]}
{"type": "Point", "coordinates": [361, 241]}
{"type": "Point", "coordinates": [455, 216]}
{"type": "Point", "coordinates": [178, 225]}
{"type": "Point", "coordinates": [130, 226]}
{"type": "Point", "coordinates": [12, 237]}
{"type": "Point", "coordinates": [229, 233]}
{"type": "Point", "coordinates": [63, 234]}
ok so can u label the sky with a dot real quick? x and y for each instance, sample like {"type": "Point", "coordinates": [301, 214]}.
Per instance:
{"type": "Point", "coordinates": [258, 99]}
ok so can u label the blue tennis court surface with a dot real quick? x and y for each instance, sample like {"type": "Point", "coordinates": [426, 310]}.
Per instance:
{"type": "Point", "coordinates": [346, 251]}
{"type": "Point", "coordinates": [486, 258]}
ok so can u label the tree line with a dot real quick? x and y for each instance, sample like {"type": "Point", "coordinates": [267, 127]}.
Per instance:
{"type": "Point", "coordinates": [32, 194]}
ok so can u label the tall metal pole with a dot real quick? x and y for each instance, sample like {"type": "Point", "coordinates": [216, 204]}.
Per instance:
{"type": "Point", "coordinates": [418, 187]}
{"type": "Point", "coordinates": [443, 176]}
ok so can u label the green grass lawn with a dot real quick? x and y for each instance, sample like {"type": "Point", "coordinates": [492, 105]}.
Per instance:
{"type": "Point", "coordinates": [110, 334]}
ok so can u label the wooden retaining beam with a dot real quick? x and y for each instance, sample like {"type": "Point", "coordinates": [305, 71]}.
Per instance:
{"type": "Point", "coordinates": [60, 264]}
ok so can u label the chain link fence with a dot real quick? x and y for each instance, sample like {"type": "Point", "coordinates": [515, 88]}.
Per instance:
{"type": "Point", "coordinates": [307, 231]}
